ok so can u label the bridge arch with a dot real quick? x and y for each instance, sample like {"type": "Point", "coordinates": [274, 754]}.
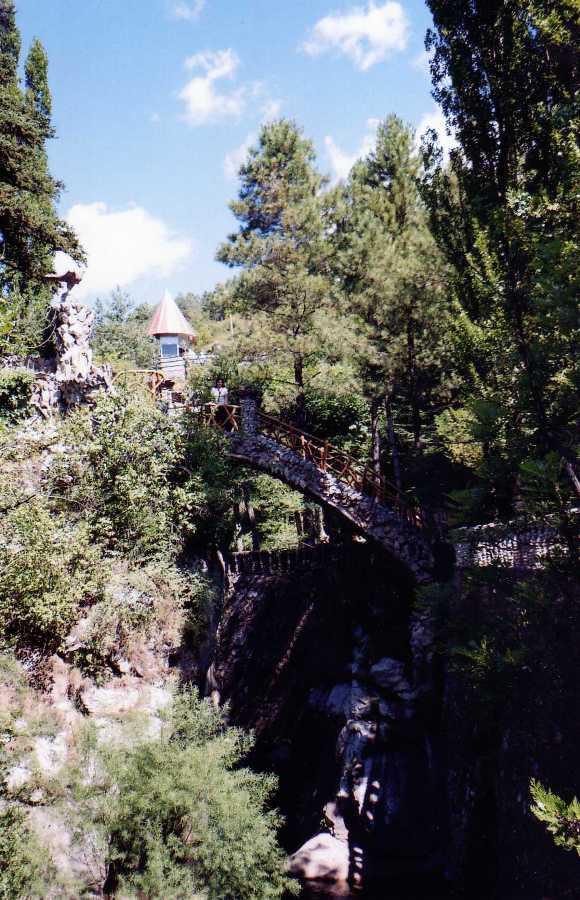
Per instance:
{"type": "Point", "coordinates": [321, 473]}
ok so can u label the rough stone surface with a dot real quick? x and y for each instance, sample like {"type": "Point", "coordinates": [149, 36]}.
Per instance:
{"type": "Point", "coordinates": [404, 542]}
{"type": "Point", "coordinates": [389, 675]}
{"type": "Point", "coordinates": [72, 378]}
{"type": "Point", "coordinates": [335, 676]}
{"type": "Point", "coordinates": [322, 858]}
{"type": "Point", "coordinates": [513, 545]}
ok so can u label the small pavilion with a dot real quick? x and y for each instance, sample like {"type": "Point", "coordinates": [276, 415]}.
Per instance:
{"type": "Point", "coordinates": [174, 335]}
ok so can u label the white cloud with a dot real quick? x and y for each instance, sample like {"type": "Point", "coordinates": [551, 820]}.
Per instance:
{"type": "Point", "coordinates": [234, 159]}
{"type": "Point", "coordinates": [271, 110]}
{"type": "Point", "coordinates": [122, 246]}
{"type": "Point", "coordinates": [188, 11]}
{"type": "Point", "coordinates": [366, 36]}
{"type": "Point", "coordinates": [342, 162]}
{"type": "Point", "coordinates": [422, 62]}
{"type": "Point", "coordinates": [203, 102]}
{"type": "Point", "coordinates": [436, 120]}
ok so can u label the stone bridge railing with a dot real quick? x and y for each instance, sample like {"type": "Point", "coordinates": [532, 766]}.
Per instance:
{"type": "Point", "coordinates": [282, 561]}
{"type": "Point", "coordinates": [515, 545]}
{"type": "Point", "coordinates": [337, 481]}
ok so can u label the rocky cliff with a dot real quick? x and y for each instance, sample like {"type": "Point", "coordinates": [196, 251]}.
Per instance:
{"type": "Point", "coordinates": [338, 677]}
{"type": "Point", "coordinates": [396, 768]}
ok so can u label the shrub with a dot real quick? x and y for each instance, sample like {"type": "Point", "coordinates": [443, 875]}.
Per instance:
{"type": "Point", "coordinates": [275, 506]}
{"type": "Point", "coordinates": [24, 869]}
{"type": "Point", "coordinates": [118, 478]}
{"type": "Point", "coordinates": [47, 569]}
{"type": "Point", "coordinates": [341, 419]}
{"type": "Point", "coordinates": [179, 816]}
{"type": "Point", "coordinates": [158, 603]}
{"type": "Point", "coordinates": [15, 394]}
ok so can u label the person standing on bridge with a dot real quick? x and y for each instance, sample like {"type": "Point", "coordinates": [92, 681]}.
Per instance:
{"type": "Point", "coordinates": [219, 393]}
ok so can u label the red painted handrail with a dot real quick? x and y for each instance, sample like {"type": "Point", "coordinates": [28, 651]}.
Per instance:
{"type": "Point", "coordinates": [324, 455]}
{"type": "Point", "coordinates": [344, 467]}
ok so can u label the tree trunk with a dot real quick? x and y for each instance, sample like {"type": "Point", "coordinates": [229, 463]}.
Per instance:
{"type": "Point", "coordinates": [392, 441]}
{"type": "Point", "coordinates": [412, 381]}
{"type": "Point", "coordinates": [299, 382]}
{"type": "Point", "coordinates": [375, 438]}
{"type": "Point", "coordinates": [250, 517]}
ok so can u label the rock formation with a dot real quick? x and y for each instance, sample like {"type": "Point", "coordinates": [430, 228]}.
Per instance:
{"type": "Point", "coordinates": [336, 677]}
{"type": "Point", "coordinates": [75, 379]}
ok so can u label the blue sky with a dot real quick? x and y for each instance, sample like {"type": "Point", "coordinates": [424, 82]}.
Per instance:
{"type": "Point", "coordinates": [154, 101]}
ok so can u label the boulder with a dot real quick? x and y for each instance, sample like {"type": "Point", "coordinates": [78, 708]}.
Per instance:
{"type": "Point", "coordinates": [389, 675]}
{"type": "Point", "coordinates": [322, 858]}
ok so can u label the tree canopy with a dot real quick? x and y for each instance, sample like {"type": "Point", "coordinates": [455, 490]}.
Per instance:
{"type": "Point", "coordinates": [31, 232]}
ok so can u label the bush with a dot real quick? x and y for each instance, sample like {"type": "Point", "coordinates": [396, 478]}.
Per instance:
{"type": "Point", "coordinates": [341, 419]}
{"type": "Point", "coordinates": [159, 604]}
{"type": "Point", "coordinates": [24, 870]}
{"type": "Point", "coordinates": [47, 569]}
{"type": "Point", "coordinates": [275, 506]}
{"type": "Point", "coordinates": [118, 477]}
{"type": "Point", "coordinates": [179, 816]}
{"type": "Point", "coordinates": [15, 394]}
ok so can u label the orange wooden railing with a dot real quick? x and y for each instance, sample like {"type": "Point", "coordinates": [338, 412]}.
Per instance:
{"type": "Point", "coordinates": [345, 468]}
{"type": "Point", "coordinates": [220, 415]}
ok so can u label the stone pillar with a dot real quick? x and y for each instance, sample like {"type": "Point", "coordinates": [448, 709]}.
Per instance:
{"type": "Point", "coordinates": [248, 413]}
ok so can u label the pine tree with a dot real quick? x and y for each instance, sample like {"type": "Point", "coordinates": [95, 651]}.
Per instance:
{"type": "Point", "coordinates": [395, 283]}
{"type": "Point", "coordinates": [30, 230]}
{"type": "Point", "coordinates": [280, 247]}
{"type": "Point", "coordinates": [506, 74]}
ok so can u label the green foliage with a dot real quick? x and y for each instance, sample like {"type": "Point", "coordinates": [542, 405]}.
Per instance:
{"type": "Point", "coordinates": [25, 873]}
{"type": "Point", "coordinates": [393, 276]}
{"type": "Point", "coordinates": [15, 394]}
{"type": "Point", "coordinates": [156, 603]}
{"type": "Point", "coordinates": [179, 816]}
{"type": "Point", "coordinates": [119, 474]}
{"type": "Point", "coordinates": [120, 332]}
{"type": "Point", "coordinates": [30, 230]}
{"type": "Point", "coordinates": [341, 419]}
{"type": "Point", "coordinates": [147, 486]}
{"type": "Point", "coordinates": [505, 214]}
{"type": "Point", "coordinates": [204, 495]}
{"type": "Point", "coordinates": [274, 506]}
{"type": "Point", "coordinates": [47, 569]}
{"type": "Point", "coordinates": [280, 247]}
{"type": "Point", "coordinates": [561, 819]}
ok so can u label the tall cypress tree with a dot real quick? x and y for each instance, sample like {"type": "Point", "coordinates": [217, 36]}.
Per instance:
{"type": "Point", "coordinates": [30, 229]}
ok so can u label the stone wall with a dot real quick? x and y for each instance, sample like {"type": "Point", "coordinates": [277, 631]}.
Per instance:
{"type": "Point", "coordinates": [70, 377]}
{"type": "Point", "coordinates": [514, 546]}
{"type": "Point", "coordinates": [280, 562]}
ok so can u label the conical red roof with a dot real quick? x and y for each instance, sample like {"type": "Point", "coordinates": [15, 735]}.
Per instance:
{"type": "Point", "coordinates": [168, 319]}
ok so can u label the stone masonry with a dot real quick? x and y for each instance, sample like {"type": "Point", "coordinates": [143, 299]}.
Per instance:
{"type": "Point", "coordinates": [407, 544]}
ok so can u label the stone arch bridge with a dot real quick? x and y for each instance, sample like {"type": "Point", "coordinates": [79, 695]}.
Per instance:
{"type": "Point", "coordinates": [331, 477]}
